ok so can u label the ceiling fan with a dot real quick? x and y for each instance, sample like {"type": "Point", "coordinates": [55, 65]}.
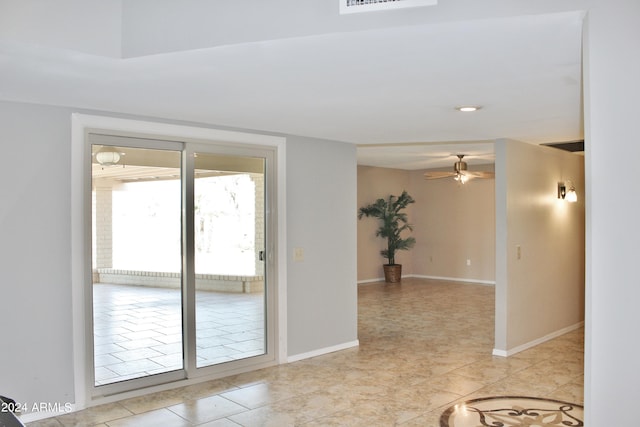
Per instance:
{"type": "Point", "coordinates": [460, 172]}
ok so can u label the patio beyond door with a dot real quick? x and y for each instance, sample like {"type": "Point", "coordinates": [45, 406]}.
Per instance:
{"type": "Point", "coordinates": [229, 250]}
{"type": "Point", "coordinates": [179, 282]}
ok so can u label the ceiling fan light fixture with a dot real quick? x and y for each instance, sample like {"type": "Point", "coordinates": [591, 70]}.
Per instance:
{"type": "Point", "coordinates": [460, 172]}
{"type": "Point", "coordinates": [461, 178]}
{"type": "Point", "coordinates": [468, 108]}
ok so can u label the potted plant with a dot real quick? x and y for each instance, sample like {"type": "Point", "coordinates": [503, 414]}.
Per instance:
{"type": "Point", "coordinates": [393, 221]}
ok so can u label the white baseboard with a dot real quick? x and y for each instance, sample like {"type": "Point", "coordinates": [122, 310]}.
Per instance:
{"type": "Point", "coordinates": [455, 279]}
{"type": "Point", "coordinates": [321, 351]}
{"type": "Point", "coordinates": [379, 279]}
{"type": "Point", "coordinates": [548, 337]}
{"type": "Point", "coordinates": [446, 279]}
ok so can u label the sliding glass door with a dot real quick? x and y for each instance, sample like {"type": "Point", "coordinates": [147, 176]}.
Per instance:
{"type": "Point", "coordinates": [180, 285]}
{"type": "Point", "coordinates": [229, 245]}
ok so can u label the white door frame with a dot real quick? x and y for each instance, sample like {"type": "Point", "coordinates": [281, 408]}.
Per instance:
{"type": "Point", "coordinates": [80, 254]}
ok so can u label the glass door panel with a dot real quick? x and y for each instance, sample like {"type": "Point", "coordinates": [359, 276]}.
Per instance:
{"type": "Point", "coordinates": [229, 240]}
{"type": "Point", "coordinates": [136, 263]}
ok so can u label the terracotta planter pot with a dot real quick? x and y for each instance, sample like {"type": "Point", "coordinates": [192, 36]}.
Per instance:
{"type": "Point", "coordinates": [392, 273]}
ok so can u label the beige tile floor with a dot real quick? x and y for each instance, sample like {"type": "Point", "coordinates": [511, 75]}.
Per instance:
{"type": "Point", "coordinates": [424, 345]}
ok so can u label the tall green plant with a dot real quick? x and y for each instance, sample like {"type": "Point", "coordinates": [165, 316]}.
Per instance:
{"type": "Point", "coordinates": [392, 223]}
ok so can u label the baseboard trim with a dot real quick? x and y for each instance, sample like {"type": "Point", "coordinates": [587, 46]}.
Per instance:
{"type": "Point", "coordinates": [526, 346]}
{"type": "Point", "coordinates": [363, 282]}
{"type": "Point", "coordinates": [455, 279]}
{"type": "Point", "coordinates": [321, 351]}
{"type": "Point", "coordinates": [446, 279]}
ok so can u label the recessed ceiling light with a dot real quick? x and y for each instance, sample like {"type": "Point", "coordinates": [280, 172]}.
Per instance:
{"type": "Point", "coordinates": [468, 108]}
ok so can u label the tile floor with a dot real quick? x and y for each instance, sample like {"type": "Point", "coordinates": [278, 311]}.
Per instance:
{"type": "Point", "coordinates": [138, 330]}
{"type": "Point", "coordinates": [424, 345]}
{"type": "Point", "coordinates": [513, 411]}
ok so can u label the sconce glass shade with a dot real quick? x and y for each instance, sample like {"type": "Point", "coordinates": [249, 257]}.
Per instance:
{"type": "Point", "coordinates": [571, 195]}
{"type": "Point", "coordinates": [107, 156]}
{"type": "Point", "coordinates": [567, 194]}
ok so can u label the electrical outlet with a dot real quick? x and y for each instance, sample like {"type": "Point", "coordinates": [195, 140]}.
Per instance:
{"type": "Point", "coordinates": [468, 262]}
{"type": "Point", "coordinates": [518, 252]}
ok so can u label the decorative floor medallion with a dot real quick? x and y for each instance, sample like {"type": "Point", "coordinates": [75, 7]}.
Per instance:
{"type": "Point", "coordinates": [509, 411]}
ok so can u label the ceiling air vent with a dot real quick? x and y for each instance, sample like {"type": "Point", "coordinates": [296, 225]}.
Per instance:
{"type": "Point", "coordinates": [355, 6]}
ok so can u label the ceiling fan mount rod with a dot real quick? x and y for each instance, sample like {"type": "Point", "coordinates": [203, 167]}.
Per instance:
{"type": "Point", "coordinates": [460, 166]}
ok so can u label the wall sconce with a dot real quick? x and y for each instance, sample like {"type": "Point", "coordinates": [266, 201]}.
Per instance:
{"type": "Point", "coordinates": [568, 194]}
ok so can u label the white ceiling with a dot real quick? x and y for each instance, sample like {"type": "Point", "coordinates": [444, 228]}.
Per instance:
{"type": "Point", "coordinates": [392, 91]}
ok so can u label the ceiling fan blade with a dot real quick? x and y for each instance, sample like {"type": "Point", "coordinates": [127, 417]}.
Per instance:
{"type": "Point", "coordinates": [438, 175]}
{"type": "Point", "coordinates": [480, 174]}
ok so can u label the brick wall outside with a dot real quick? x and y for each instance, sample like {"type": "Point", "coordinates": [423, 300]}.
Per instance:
{"type": "Point", "coordinates": [204, 282]}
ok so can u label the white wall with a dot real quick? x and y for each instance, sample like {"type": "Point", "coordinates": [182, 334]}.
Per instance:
{"type": "Point", "coordinates": [321, 220]}
{"type": "Point", "coordinates": [612, 91]}
{"type": "Point", "coordinates": [155, 26]}
{"type": "Point", "coordinates": [36, 361]}
{"type": "Point", "coordinates": [89, 26]}
{"type": "Point", "coordinates": [130, 28]}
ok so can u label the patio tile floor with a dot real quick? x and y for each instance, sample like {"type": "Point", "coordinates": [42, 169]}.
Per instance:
{"type": "Point", "coordinates": [137, 329]}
